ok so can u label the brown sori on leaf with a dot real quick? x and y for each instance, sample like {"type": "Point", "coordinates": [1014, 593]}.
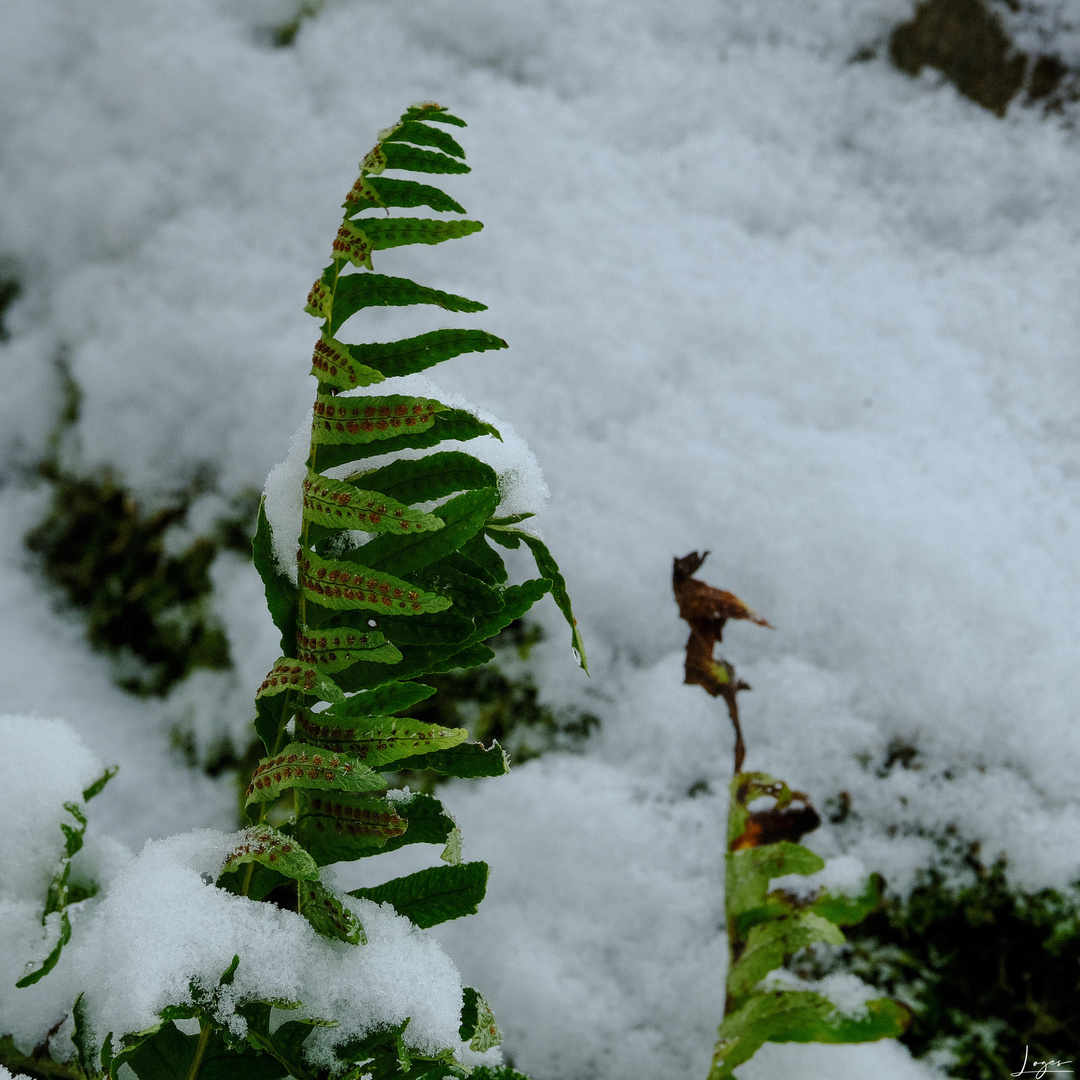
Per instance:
{"type": "Point", "coordinates": [706, 609]}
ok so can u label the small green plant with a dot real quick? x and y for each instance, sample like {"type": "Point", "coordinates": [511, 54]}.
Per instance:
{"type": "Point", "coordinates": [769, 926]}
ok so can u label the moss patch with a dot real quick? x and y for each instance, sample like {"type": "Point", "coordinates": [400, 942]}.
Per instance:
{"type": "Point", "coordinates": [10, 291]}
{"type": "Point", "coordinates": [988, 969]}
{"type": "Point", "coordinates": [283, 35]}
{"type": "Point", "coordinates": [145, 599]}
{"type": "Point", "coordinates": [143, 604]}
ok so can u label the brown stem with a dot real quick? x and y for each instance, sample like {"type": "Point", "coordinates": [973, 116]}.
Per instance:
{"type": "Point", "coordinates": [740, 746]}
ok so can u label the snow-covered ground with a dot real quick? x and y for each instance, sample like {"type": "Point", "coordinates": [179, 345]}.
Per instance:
{"type": "Point", "coordinates": [806, 312]}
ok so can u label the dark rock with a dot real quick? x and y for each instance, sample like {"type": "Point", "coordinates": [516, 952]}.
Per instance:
{"type": "Point", "coordinates": [966, 41]}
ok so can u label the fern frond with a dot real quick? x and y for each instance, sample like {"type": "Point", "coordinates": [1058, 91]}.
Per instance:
{"type": "Point", "coordinates": [421, 594]}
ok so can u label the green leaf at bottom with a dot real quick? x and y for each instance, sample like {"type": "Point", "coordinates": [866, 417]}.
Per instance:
{"type": "Point", "coordinates": [800, 1016]}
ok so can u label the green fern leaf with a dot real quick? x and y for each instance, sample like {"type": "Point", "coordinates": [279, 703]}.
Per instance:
{"type": "Point", "coordinates": [410, 355]}
{"type": "Point", "coordinates": [799, 1016]}
{"type": "Point", "coordinates": [429, 112]}
{"type": "Point", "coordinates": [357, 238]}
{"type": "Point", "coordinates": [477, 549]}
{"type": "Point", "coordinates": [300, 677]}
{"type": "Point", "coordinates": [549, 569]}
{"type": "Point", "coordinates": [340, 825]}
{"type": "Point", "coordinates": [357, 420]}
{"type": "Point", "coordinates": [267, 847]}
{"type": "Point", "coordinates": [770, 943]}
{"type": "Point", "coordinates": [517, 600]}
{"type": "Point", "coordinates": [452, 424]}
{"type": "Point", "coordinates": [380, 740]}
{"type": "Point", "coordinates": [434, 476]}
{"type": "Point", "coordinates": [435, 895]}
{"type": "Point", "coordinates": [423, 649]}
{"type": "Point", "coordinates": [414, 131]}
{"type": "Point", "coordinates": [399, 232]}
{"type": "Point", "coordinates": [329, 915]}
{"type": "Point", "coordinates": [479, 1028]}
{"type": "Point", "coordinates": [466, 761]}
{"type": "Point", "coordinates": [391, 697]}
{"type": "Point", "coordinates": [849, 910]}
{"type": "Point", "coordinates": [463, 516]}
{"type": "Point", "coordinates": [301, 765]}
{"type": "Point", "coordinates": [282, 597]}
{"type": "Point", "coordinates": [395, 155]}
{"type": "Point", "coordinates": [387, 191]}
{"type": "Point", "coordinates": [348, 585]}
{"type": "Point", "coordinates": [474, 594]}
{"type": "Point", "coordinates": [428, 821]}
{"type": "Point", "coordinates": [354, 292]}
{"type": "Point", "coordinates": [333, 648]}
{"type": "Point", "coordinates": [474, 655]}
{"type": "Point", "coordinates": [340, 505]}
{"type": "Point", "coordinates": [352, 243]}
{"type": "Point", "coordinates": [335, 364]}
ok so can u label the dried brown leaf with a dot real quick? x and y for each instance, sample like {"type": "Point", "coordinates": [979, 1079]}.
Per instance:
{"type": "Point", "coordinates": [707, 609]}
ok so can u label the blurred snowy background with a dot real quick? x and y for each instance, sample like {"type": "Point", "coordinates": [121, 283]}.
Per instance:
{"type": "Point", "coordinates": [766, 294]}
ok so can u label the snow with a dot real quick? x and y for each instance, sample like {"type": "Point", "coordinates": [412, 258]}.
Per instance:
{"type": "Point", "coordinates": [808, 313]}
{"type": "Point", "coordinates": [283, 493]}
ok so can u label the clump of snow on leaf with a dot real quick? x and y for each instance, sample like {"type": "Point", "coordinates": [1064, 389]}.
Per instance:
{"type": "Point", "coordinates": [163, 925]}
{"type": "Point", "coordinates": [284, 505]}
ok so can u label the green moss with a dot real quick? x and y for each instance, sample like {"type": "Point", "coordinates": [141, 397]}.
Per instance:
{"type": "Point", "coordinates": [284, 35]}
{"type": "Point", "coordinates": [144, 603]}
{"type": "Point", "coordinates": [10, 291]}
{"type": "Point", "coordinates": [986, 967]}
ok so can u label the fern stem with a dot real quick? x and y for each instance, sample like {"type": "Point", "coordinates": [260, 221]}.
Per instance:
{"type": "Point", "coordinates": [248, 875]}
{"type": "Point", "coordinates": [200, 1050]}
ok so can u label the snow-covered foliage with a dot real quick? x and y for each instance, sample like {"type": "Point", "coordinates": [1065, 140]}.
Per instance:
{"type": "Point", "coordinates": [761, 298]}
{"type": "Point", "coordinates": [157, 928]}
